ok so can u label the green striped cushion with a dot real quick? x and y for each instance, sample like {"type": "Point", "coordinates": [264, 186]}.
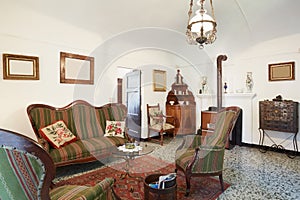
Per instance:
{"type": "Point", "coordinates": [96, 146]}
{"type": "Point", "coordinates": [184, 157]}
{"type": "Point", "coordinates": [21, 175]}
{"type": "Point", "coordinates": [210, 160]}
{"type": "Point", "coordinates": [101, 191]}
{"type": "Point", "coordinates": [86, 121]}
{"type": "Point", "coordinates": [43, 117]}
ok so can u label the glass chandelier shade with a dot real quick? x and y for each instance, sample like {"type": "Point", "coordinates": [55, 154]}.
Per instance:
{"type": "Point", "coordinates": [201, 28]}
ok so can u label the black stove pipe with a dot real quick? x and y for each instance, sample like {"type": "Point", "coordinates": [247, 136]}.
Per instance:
{"type": "Point", "coordinates": [220, 58]}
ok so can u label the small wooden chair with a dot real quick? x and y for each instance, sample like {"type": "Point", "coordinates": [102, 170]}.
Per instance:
{"type": "Point", "coordinates": [157, 122]}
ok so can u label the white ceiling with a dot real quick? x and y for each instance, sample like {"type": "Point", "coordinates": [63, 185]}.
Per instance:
{"type": "Point", "coordinates": [241, 23]}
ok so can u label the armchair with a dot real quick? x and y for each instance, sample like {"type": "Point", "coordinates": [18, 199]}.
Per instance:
{"type": "Point", "coordinates": [204, 155]}
{"type": "Point", "coordinates": [27, 172]}
{"type": "Point", "coordinates": [158, 122]}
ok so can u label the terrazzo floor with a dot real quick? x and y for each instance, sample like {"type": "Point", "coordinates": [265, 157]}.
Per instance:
{"type": "Point", "coordinates": [252, 174]}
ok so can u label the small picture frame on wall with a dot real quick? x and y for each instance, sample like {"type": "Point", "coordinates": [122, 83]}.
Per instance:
{"type": "Point", "coordinates": [159, 81]}
{"type": "Point", "coordinates": [20, 67]}
{"type": "Point", "coordinates": [282, 71]}
{"type": "Point", "coordinates": [76, 69]}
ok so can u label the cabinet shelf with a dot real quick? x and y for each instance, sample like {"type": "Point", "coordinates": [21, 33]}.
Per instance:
{"type": "Point", "coordinates": [183, 107]}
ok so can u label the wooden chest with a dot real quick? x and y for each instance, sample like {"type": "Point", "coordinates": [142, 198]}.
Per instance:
{"type": "Point", "coordinates": [278, 116]}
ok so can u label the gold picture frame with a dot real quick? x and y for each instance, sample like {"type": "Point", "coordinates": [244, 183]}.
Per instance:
{"type": "Point", "coordinates": [159, 80]}
{"type": "Point", "coordinates": [20, 67]}
{"type": "Point", "coordinates": [282, 71]}
{"type": "Point", "coordinates": [76, 69]}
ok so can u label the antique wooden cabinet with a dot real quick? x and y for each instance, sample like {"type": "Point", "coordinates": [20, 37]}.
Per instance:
{"type": "Point", "coordinates": [181, 105]}
{"type": "Point", "coordinates": [278, 116]}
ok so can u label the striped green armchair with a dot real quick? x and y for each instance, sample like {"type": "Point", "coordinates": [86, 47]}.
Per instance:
{"type": "Point", "coordinates": [204, 155]}
{"type": "Point", "coordinates": [27, 171]}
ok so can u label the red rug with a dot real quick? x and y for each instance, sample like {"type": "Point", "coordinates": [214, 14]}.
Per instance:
{"type": "Point", "coordinates": [132, 188]}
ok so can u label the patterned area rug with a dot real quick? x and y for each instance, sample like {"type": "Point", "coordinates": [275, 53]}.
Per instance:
{"type": "Point", "coordinates": [133, 188]}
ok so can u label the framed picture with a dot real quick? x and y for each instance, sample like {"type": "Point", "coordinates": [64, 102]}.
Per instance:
{"type": "Point", "coordinates": [159, 81]}
{"type": "Point", "coordinates": [282, 71]}
{"type": "Point", "coordinates": [76, 69]}
{"type": "Point", "coordinates": [20, 67]}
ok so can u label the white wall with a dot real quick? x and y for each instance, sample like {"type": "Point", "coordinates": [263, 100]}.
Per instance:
{"type": "Point", "coordinates": [256, 60]}
{"type": "Point", "coordinates": [26, 32]}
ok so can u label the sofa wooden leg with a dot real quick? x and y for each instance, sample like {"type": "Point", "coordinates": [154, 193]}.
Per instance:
{"type": "Point", "coordinates": [221, 182]}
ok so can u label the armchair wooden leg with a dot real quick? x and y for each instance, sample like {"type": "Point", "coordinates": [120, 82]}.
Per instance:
{"type": "Point", "coordinates": [188, 185]}
{"type": "Point", "coordinates": [161, 133]}
{"type": "Point", "coordinates": [221, 182]}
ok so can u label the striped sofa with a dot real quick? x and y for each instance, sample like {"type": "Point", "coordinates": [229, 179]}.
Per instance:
{"type": "Point", "coordinates": [84, 120]}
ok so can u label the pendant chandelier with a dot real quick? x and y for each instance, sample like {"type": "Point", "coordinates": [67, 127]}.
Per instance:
{"type": "Point", "coordinates": [201, 28]}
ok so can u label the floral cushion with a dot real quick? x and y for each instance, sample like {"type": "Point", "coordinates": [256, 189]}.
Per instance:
{"type": "Point", "coordinates": [115, 128]}
{"type": "Point", "coordinates": [156, 117]}
{"type": "Point", "coordinates": [57, 134]}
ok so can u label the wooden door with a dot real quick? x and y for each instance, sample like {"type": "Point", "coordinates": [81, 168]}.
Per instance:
{"type": "Point", "coordinates": [133, 102]}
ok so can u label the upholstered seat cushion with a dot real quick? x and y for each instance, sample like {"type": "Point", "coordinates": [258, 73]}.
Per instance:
{"type": "Point", "coordinates": [80, 149]}
{"type": "Point", "coordinates": [69, 192]}
{"type": "Point", "coordinates": [210, 159]}
{"type": "Point", "coordinates": [164, 126]}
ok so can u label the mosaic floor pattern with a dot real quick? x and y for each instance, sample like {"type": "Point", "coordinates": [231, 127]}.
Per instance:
{"type": "Point", "coordinates": [252, 174]}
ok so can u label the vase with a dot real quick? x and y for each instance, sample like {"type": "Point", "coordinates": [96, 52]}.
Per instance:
{"type": "Point", "coordinates": [249, 82]}
{"type": "Point", "coordinates": [204, 84]}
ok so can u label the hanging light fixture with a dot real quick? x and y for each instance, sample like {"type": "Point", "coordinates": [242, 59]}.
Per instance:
{"type": "Point", "coordinates": [201, 28]}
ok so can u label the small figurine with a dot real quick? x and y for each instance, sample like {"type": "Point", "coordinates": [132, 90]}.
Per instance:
{"type": "Point", "coordinates": [179, 77]}
{"type": "Point", "coordinates": [225, 87]}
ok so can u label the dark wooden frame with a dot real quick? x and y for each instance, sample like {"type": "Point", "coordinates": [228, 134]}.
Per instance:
{"type": "Point", "coordinates": [282, 71]}
{"type": "Point", "coordinates": [7, 65]}
{"type": "Point", "coordinates": [64, 67]}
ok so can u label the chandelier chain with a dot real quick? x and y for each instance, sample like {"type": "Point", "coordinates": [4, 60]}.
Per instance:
{"type": "Point", "coordinates": [190, 12]}
{"type": "Point", "coordinates": [212, 10]}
